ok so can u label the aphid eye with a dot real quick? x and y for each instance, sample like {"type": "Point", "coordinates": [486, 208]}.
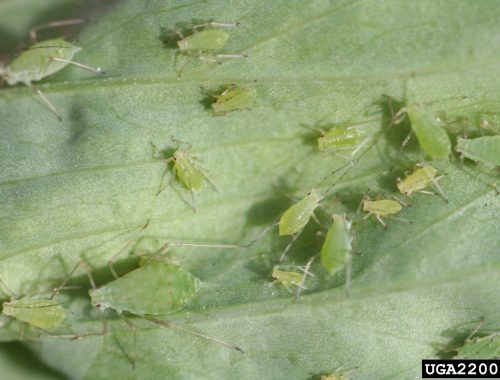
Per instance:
{"type": "Point", "coordinates": [98, 305]}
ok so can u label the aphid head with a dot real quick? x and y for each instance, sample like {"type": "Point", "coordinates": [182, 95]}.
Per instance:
{"type": "Point", "coordinates": [96, 298]}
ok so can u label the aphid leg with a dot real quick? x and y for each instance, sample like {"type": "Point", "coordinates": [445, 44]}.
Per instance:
{"type": "Point", "coordinates": [53, 24]}
{"type": "Point", "coordinates": [348, 273]}
{"type": "Point", "coordinates": [209, 58]}
{"type": "Point", "coordinates": [439, 188]}
{"type": "Point", "coordinates": [379, 218]}
{"type": "Point", "coordinates": [194, 333]}
{"type": "Point", "coordinates": [47, 102]}
{"type": "Point", "coordinates": [295, 237]}
{"type": "Point", "coordinates": [133, 355]}
{"type": "Point", "coordinates": [8, 289]}
{"type": "Point", "coordinates": [96, 70]}
{"type": "Point", "coordinates": [260, 236]}
{"type": "Point", "coordinates": [231, 56]}
{"type": "Point", "coordinates": [301, 286]}
{"type": "Point", "coordinates": [400, 219]}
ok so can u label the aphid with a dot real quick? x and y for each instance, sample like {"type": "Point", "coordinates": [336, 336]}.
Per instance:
{"type": "Point", "coordinates": [423, 177]}
{"type": "Point", "coordinates": [286, 278]}
{"type": "Point", "coordinates": [43, 313]}
{"type": "Point", "coordinates": [484, 149]}
{"type": "Point", "coordinates": [41, 60]}
{"type": "Point", "coordinates": [154, 289]}
{"type": "Point", "coordinates": [340, 137]}
{"type": "Point", "coordinates": [383, 208]}
{"type": "Point", "coordinates": [206, 42]}
{"type": "Point", "coordinates": [185, 171]}
{"type": "Point", "coordinates": [336, 252]}
{"type": "Point", "coordinates": [431, 136]}
{"type": "Point", "coordinates": [485, 347]}
{"type": "Point", "coordinates": [234, 98]}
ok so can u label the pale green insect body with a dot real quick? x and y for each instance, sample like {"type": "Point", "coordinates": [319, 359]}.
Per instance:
{"type": "Point", "coordinates": [431, 136]}
{"type": "Point", "coordinates": [296, 216]}
{"type": "Point", "coordinates": [42, 313]}
{"type": "Point", "coordinates": [154, 289]}
{"type": "Point", "coordinates": [484, 149]}
{"type": "Point", "coordinates": [186, 171]}
{"type": "Point", "coordinates": [287, 278]}
{"type": "Point", "coordinates": [340, 137]}
{"type": "Point", "coordinates": [205, 40]}
{"type": "Point", "coordinates": [420, 179]}
{"type": "Point", "coordinates": [337, 247]}
{"type": "Point", "coordinates": [382, 207]}
{"type": "Point", "coordinates": [38, 61]}
{"type": "Point", "coordinates": [234, 98]}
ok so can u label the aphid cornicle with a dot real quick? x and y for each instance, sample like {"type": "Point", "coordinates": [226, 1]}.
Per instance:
{"type": "Point", "coordinates": [234, 98]}
{"type": "Point", "coordinates": [41, 60]}
{"type": "Point", "coordinates": [431, 136]}
{"type": "Point", "coordinates": [423, 177]}
{"type": "Point", "coordinates": [484, 149]}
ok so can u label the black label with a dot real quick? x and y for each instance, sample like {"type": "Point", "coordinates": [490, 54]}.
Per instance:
{"type": "Point", "coordinates": [461, 369]}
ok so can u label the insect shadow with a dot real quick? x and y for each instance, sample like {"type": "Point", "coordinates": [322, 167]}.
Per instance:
{"type": "Point", "coordinates": [210, 96]}
{"type": "Point", "coordinates": [457, 338]}
{"type": "Point", "coordinates": [169, 36]}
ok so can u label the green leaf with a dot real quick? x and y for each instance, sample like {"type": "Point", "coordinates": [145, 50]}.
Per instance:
{"type": "Point", "coordinates": [85, 187]}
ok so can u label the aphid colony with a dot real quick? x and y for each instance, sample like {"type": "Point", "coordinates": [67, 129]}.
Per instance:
{"type": "Point", "coordinates": [157, 287]}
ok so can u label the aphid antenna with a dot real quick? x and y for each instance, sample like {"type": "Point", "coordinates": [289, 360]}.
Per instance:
{"type": "Point", "coordinates": [167, 245]}
{"type": "Point", "coordinates": [53, 24]}
{"type": "Point", "coordinates": [478, 327]}
{"type": "Point", "coordinates": [56, 290]}
{"type": "Point", "coordinates": [115, 256]}
{"type": "Point", "coordinates": [306, 272]}
{"type": "Point", "coordinates": [194, 333]}
{"type": "Point", "coordinates": [47, 102]}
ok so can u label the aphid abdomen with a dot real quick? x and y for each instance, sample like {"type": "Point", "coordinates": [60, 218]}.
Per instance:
{"type": "Point", "coordinates": [234, 99]}
{"type": "Point", "coordinates": [287, 278]}
{"type": "Point", "coordinates": [337, 245]}
{"type": "Point", "coordinates": [296, 217]}
{"type": "Point", "coordinates": [187, 174]}
{"type": "Point", "coordinates": [339, 137]}
{"type": "Point", "coordinates": [205, 40]}
{"type": "Point", "coordinates": [382, 207]}
{"type": "Point", "coordinates": [485, 149]}
{"type": "Point", "coordinates": [42, 313]}
{"type": "Point", "coordinates": [155, 289]}
{"type": "Point", "coordinates": [431, 136]}
{"type": "Point", "coordinates": [418, 180]}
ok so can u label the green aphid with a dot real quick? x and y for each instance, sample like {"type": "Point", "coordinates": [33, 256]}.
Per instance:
{"type": "Point", "coordinates": [340, 137]}
{"type": "Point", "coordinates": [41, 313]}
{"type": "Point", "coordinates": [424, 176]}
{"type": "Point", "coordinates": [186, 171]}
{"type": "Point", "coordinates": [295, 218]}
{"type": "Point", "coordinates": [431, 136]}
{"type": "Point", "coordinates": [383, 208]}
{"type": "Point", "coordinates": [206, 42]}
{"type": "Point", "coordinates": [336, 252]}
{"type": "Point", "coordinates": [41, 60]}
{"type": "Point", "coordinates": [484, 149]}
{"type": "Point", "coordinates": [234, 98]}
{"type": "Point", "coordinates": [287, 278]}
{"type": "Point", "coordinates": [154, 289]}
{"type": "Point", "coordinates": [334, 376]}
